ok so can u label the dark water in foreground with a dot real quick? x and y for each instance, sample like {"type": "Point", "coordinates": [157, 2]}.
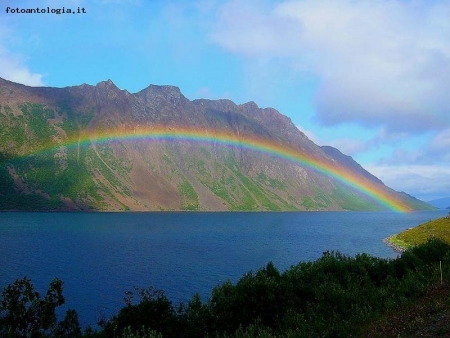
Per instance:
{"type": "Point", "coordinates": [99, 256]}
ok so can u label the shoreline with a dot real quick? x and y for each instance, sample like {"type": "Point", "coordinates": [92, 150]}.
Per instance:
{"type": "Point", "coordinates": [419, 234]}
{"type": "Point", "coordinates": [390, 243]}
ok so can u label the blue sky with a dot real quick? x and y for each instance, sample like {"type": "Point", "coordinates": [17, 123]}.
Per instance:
{"type": "Point", "coordinates": [369, 77]}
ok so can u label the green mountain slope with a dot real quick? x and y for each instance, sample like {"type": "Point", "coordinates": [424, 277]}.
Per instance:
{"type": "Point", "coordinates": [97, 148]}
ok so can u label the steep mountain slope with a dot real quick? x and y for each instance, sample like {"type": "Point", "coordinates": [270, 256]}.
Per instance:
{"type": "Point", "coordinates": [102, 148]}
{"type": "Point", "coordinates": [349, 162]}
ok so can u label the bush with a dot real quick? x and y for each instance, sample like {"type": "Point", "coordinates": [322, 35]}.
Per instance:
{"type": "Point", "coordinates": [154, 311]}
{"type": "Point", "coordinates": [335, 296]}
{"type": "Point", "coordinates": [23, 313]}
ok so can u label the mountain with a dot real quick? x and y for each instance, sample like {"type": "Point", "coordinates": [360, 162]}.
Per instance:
{"type": "Point", "coordinates": [349, 162]}
{"type": "Point", "coordinates": [102, 148]}
{"type": "Point", "coordinates": [441, 203]}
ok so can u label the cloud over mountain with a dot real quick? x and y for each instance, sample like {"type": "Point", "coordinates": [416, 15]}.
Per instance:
{"type": "Point", "coordinates": [378, 63]}
{"type": "Point", "coordinates": [12, 66]}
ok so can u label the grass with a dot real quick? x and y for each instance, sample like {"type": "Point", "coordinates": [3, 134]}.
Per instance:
{"type": "Point", "coordinates": [351, 201]}
{"type": "Point", "coordinates": [189, 197]}
{"type": "Point", "coordinates": [438, 228]}
{"type": "Point", "coordinates": [399, 243]}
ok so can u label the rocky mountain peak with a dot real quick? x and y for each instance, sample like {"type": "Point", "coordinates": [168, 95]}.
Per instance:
{"type": "Point", "coordinates": [249, 106]}
{"type": "Point", "coordinates": [108, 85]}
{"type": "Point", "coordinates": [175, 174]}
{"type": "Point", "coordinates": [268, 114]}
{"type": "Point", "coordinates": [223, 105]}
{"type": "Point", "coordinates": [165, 92]}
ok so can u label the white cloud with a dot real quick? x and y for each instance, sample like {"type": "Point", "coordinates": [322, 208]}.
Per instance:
{"type": "Point", "coordinates": [380, 63]}
{"type": "Point", "coordinates": [252, 29]}
{"type": "Point", "coordinates": [383, 136]}
{"type": "Point", "coordinates": [349, 146]}
{"type": "Point", "coordinates": [12, 68]}
{"type": "Point", "coordinates": [425, 182]}
{"type": "Point", "coordinates": [359, 140]}
{"type": "Point", "coordinates": [432, 151]}
{"type": "Point", "coordinates": [441, 142]}
{"type": "Point", "coordinates": [402, 156]}
{"type": "Point", "coordinates": [423, 171]}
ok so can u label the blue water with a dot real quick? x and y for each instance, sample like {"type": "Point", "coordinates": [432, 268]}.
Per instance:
{"type": "Point", "coordinates": [99, 256]}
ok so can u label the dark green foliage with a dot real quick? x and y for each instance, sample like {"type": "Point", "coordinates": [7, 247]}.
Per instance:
{"type": "Point", "coordinates": [334, 296]}
{"type": "Point", "coordinates": [23, 313]}
{"type": "Point", "coordinates": [195, 318]}
{"type": "Point", "coordinates": [69, 326]}
{"type": "Point", "coordinates": [12, 133]}
{"type": "Point", "coordinates": [36, 116]}
{"type": "Point", "coordinates": [433, 250]}
{"type": "Point", "coordinates": [154, 311]}
{"type": "Point", "coordinates": [69, 124]}
{"type": "Point", "coordinates": [42, 172]}
{"type": "Point", "coordinates": [28, 147]}
{"type": "Point", "coordinates": [255, 296]}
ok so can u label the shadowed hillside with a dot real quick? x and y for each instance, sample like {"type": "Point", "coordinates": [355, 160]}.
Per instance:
{"type": "Point", "coordinates": [102, 148]}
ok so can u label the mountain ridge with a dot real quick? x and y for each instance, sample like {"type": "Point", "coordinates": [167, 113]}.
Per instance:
{"type": "Point", "coordinates": [441, 203]}
{"type": "Point", "coordinates": [81, 170]}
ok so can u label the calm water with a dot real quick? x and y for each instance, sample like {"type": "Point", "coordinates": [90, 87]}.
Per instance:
{"type": "Point", "coordinates": [99, 256]}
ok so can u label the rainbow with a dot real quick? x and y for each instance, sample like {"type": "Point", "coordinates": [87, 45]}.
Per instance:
{"type": "Point", "coordinates": [375, 191]}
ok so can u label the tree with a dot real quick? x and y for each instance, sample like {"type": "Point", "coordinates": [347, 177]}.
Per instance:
{"type": "Point", "coordinates": [23, 313]}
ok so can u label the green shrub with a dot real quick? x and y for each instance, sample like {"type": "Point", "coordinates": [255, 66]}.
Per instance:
{"type": "Point", "coordinates": [154, 311]}
{"type": "Point", "coordinates": [334, 296]}
{"type": "Point", "coordinates": [24, 313]}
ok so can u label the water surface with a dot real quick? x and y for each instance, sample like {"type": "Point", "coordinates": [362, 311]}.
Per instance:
{"type": "Point", "coordinates": [99, 256]}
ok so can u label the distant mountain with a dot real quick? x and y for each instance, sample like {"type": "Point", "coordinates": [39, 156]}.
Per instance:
{"type": "Point", "coordinates": [441, 203]}
{"type": "Point", "coordinates": [101, 148]}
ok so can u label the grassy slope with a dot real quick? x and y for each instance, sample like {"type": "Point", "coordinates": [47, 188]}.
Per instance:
{"type": "Point", "coordinates": [428, 316]}
{"type": "Point", "coordinates": [98, 177]}
{"type": "Point", "coordinates": [439, 228]}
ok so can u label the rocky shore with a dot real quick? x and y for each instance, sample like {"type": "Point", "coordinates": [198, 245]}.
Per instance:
{"type": "Point", "coordinates": [388, 241]}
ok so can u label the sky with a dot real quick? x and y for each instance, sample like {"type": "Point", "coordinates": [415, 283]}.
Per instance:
{"type": "Point", "coordinates": [369, 77]}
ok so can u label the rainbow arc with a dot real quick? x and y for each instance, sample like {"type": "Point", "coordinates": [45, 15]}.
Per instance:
{"type": "Point", "coordinates": [369, 188]}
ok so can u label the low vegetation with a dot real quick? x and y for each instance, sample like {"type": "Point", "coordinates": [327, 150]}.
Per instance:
{"type": "Point", "coordinates": [334, 296]}
{"type": "Point", "coordinates": [439, 228]}
{"type": "Point", "coordinates": [189, 197]}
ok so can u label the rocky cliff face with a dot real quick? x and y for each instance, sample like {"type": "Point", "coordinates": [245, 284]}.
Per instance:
{"type": "Point", "coordinates": [94, 148]}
